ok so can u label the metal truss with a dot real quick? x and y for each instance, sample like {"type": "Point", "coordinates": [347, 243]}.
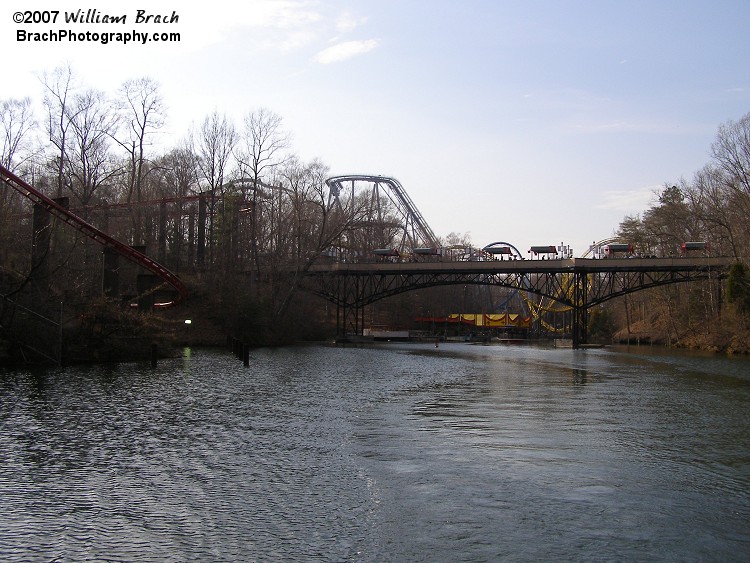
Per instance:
{"type": "Point", "coordinates": [578, 283]}
{"type": "Point", "coordinates": [603, 286]}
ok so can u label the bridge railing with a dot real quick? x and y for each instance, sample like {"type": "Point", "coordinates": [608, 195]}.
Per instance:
{"type": "Point", "coordinates": [476, 254]}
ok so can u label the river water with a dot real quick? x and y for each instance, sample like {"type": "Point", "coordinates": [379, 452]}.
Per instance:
{"type": "Point", "coordinates": [396, 452]}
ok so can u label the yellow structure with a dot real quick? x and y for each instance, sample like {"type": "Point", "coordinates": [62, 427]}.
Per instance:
{"type": "Point", "coordinates": [487, 320]}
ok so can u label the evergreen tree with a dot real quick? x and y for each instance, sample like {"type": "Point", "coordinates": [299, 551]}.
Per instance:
{"type": "Point", "coordinates": [738, 286]}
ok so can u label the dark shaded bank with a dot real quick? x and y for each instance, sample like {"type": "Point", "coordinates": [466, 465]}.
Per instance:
{"type": "Point", "coordinates": [107, 331]}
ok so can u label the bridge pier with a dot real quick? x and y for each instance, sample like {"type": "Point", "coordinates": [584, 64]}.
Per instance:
{"type": "Point", "coordinates": [580, 326]}
{"type": "Point", "coordinates": [580, 309]}
{"type": "Point", "coordinates": [350, 320]}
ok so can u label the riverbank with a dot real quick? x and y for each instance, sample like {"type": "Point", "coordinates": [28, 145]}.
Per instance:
{"type": "Point", "coordinates": [730, 337]}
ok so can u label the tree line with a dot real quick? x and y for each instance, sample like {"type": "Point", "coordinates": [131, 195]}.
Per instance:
{"type": "Point", "coordinates": [233, 206]}
{"type": "Point", "coordinates": [714, 207]}
{"type": "Point", "coordinates": [101, 151]}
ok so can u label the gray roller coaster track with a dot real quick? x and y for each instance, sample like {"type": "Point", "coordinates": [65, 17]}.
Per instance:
{"type": "Point", "coordinates": [421, 232]}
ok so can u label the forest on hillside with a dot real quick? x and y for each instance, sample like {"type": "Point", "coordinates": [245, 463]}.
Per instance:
{"type": "Point", "coordinates": [230, 206]}
{"type": "Point", "coordinates": [712, 206]}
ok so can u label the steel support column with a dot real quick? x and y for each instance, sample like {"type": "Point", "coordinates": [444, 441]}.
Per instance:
{"type": "Point", "coordinates": [580, 309]}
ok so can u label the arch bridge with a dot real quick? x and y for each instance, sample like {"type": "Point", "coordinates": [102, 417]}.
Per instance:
{"type": "Point", "coordinates": [579, 283]}
{"type": "Point", "coordinates": [575, 283]}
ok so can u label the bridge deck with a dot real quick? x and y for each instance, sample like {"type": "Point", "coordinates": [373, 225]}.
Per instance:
{"type": "Point", "coordinates": [581, 265]}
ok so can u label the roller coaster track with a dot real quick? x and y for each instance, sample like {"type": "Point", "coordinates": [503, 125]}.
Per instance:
{"type": "Point", "coordinates": [415, 225]}
{"type": "Point", "coordinates": [539, 309]}
{"type": "Point", "coordinates": [72, 220]}
{"type": "Point", "coordinates": [537, 305]}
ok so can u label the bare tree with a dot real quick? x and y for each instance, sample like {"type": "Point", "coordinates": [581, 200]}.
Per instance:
{"type": "Point", "coordinates": [710, 201]}
{"type": "Point", "coordinates": [143, 111]}
{"type": "Point", "coordinates": [180, 169]}
{"type": "Point", "coordinates": [59, 86]}
{"type": "Point", "coordinates": [264, 142]}
{"type": "Point", "coordinates": [731, 151]}
{"type": "Point", "coordinates": [93, 124]}
{"type": "Point", "coordinates": [214, 147]}
{"type": "Point", "coordinates": [16, 124]}
{"type": "Point", "coordinates": [731, 154]}
{"type": "Point", "coordinates": [313, 223]}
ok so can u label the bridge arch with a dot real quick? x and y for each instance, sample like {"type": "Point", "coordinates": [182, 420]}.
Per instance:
{"type": "Point", "coordinates": [577, 283]}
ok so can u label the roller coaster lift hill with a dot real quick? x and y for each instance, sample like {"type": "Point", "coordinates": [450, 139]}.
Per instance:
{"type": "Point", "coordinates": [72, 220]}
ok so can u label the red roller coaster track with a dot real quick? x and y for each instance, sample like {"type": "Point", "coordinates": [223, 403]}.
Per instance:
{"type": "Point", "coordinates": [58, 211]}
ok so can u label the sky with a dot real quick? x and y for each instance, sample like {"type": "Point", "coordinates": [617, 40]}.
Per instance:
{"type": "Point", "coordinates": [531, 122]}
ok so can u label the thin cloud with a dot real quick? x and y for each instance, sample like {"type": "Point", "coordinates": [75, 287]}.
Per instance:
{"type": "Point", "coordinates": [275, 14]}
{"type": "Point", "coordinates": [651, 125]}
{"type": "Point", "coordinates": [278, 24]}
{"type": "Point", "coordinates": [290, 41]}
{"type": "Point", "coordinates": [344, 51]}
{"type": "Point", "coordinates": [347, 23]}
{"type": "Point", "coordinates": [627, 201]}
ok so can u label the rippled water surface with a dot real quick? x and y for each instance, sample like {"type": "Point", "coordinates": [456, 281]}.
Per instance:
{"type": "Point", "coordinates": [384, 453]}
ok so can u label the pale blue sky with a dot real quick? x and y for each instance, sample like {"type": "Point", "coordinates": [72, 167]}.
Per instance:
{"type": "Point", "coordinates": [532, 122]}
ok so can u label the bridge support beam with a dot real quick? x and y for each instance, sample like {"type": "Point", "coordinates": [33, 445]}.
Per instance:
{"type": "Point", "coordinates": [350, 321]}
{"type": "Point", "coordinates": [580, 326]}
{"type": "Point", "coordinates": [349, 297]}
{"type": "Point", "coordinates": [580, 309]}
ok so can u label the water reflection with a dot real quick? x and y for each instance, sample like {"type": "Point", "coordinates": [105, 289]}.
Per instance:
{"type": "Point", "coordinates": [399, 452]}
{"type": "Point", "coordinates": [578, 376]}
